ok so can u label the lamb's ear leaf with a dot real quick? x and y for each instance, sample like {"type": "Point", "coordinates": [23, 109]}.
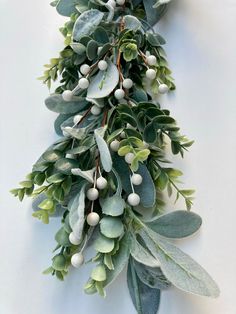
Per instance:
{"type": "Point", "coordinates": [154, 14]}
{"type": "Point", "coordinates": [132, 23]}
{"type": "Point", "coordinates": [86, 23]}
{"type": "Point", "coordinates": [105, 155]}
{"type": "Point", "coordinates": [145, 299]}
{"type": "Point", "coordinates": [178, 224]}
{"type": "Point", "coordinates": [56, 103]}
{"type": "Point", "coordinates": [152, 277]}
{"type": "Point", "coordinates": [104, 82]}
{"type": "Point", "coordinates": [179, 268]}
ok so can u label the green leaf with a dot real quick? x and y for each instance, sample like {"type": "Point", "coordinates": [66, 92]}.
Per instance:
{"type": "Point", "coordinates": [150, 276]}
{"type": "Point", "coordinates": [52, 155]}
{"type": "Point", "coordinates": [99, 273]}
{"type": "Point", "coordinates": [92, 49]}
{"type": "Point", "coordinates": [59, 262]}
{"type": "Point", "coordinates": [56, 103]}
{"type": "Point", "coordinates": [103, 244]}
{"type": "Point", "coordinates": [132, 23]}
{"type": "Point", "coordinates": [145, 299]}
{"type": "Point", "coordinates": [153, 15]}
{"type": "Point", "coordinates": [113, 206]}
{"type": "Point", "coordinates": [104, 151]}
{"type": "Point", "coordinates": [178, 224]}
{"type": "Point", "coordinates": [104, 82]}
{"type": "Point", "coordinates": [77, 133]}
{"type": "Point", "coordinates": [56, 178]}
{"type": "Point", "coordinates": [46, 204]}
{"type": "Point", "coordinates": [62, 237]}
{"type": "Point", "coordinates": [76, 209]}
{"type": "Point", "coordinates": [179, 268]}
{"type": "Point", "coordinates": [86, 174]}
{"type": "Point", "coordinates": [120, 259]}
{"type": "Point", "coordinates": [26, 184]}
{"type": "Point", "coordinates": [111, 227]}
{"type": "Point", "coordinates": [66, 7]}
{"type": "Point", "coordinates": [86, 23]}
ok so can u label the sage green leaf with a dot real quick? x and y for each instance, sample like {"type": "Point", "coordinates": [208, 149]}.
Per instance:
{"type": "Point", "coordinates": [78, 48]}
{"type": "Point", "coordinates": [150, 133]}
{"type": "Point", "coordinates": [56, 103]}
{"type": "Point", "coordinates": [66, 7]}
{"type": "Point", "coordinates": [104, 82]}
{"type": "Point", "coordinates": [58, 122]}
{"type": "Point", "coordinates": [78, 133]}
{"type": "Point", "coordinates": [62, 237]}
{"type": "Point", "coordinates": [56, 178]}
{"type": "Point", "coordinates": [103, 244]}
{"type": "Point", "coordinates": [76, 209]}
{"type": "Point", "coordinates": [178, 224]}
{"type": "Point", "coordinates": [92, 49]}
{"type": "Point", "coordinates": [59, 262]}
{"type": "Point", "coordinates": [104, 151]}
{"type": "Point", "coordinates": [142, 255]}
{"type": "Point", "coordinates": [86, 174]}
{"type": "Point", "coordinates": [111, 227]}
{"type": "Point", "coordinates": [119, 259]}
{"type": "Point", "coordinates": [99, 273]}
{"type": "Point", "coordinates": [179, 268]}
{"type": "Point", "coordinates": [64, 165]}
{"type": "Point", "coordinates": [86, 23]}
{"type": "Point", "coordinates": [155, 39]}
{"type": "Point", "coordinates": [82, 5]}
{"type": "Point", "coordinates": [132, 23]}
{"type": "Point", "coordinates": [153, 15]}
{"type": "Point", "coordinates": [145, 299]}
{"type": "Point", "coordinates": [101, 35]}
{"type": "Point", "coordinates": [113, 206]}
{"type": "Point", "coordinates": [152, 277]}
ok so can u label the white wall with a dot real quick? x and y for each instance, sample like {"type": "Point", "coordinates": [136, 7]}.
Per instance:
{"type": "Point", "coordinates": [201, 49]}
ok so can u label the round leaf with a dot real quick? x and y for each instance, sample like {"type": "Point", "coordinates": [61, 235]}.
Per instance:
{"type": "Point", "coordinates": [111, 227]}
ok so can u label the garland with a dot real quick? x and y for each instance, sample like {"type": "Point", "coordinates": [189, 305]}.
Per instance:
{"type": "Point", "coordinates": [107, 175]}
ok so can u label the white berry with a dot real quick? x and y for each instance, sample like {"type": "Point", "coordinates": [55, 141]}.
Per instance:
{"type": "Point", "coordinates": [119, 94]}
{"type": "Point", "coordinates": [67, 95]}
{"type": "Point", "coordinates": [151, 60]}
{"type": "Point", "coordinates": [129, 158]}
{"type": "Point", "coordinates": [136, 179]}
{"type": "Point", "coordinates": [120, 2]}
{"type": "Point", "coordinates": [163, 88]}
{"type": "Point", "coordinates": [77, 118]}
{"type": "Point", "coordinates": [95, 110]}
{"type": "Point", "coordinates": [102, 65]}
{"type": "Point", "coordinates": [101, 183]}
{"type": "Point", "coordinates": [93, 219]}
{"type": "Point", "coordinates": [127, 83]}
{"type": "Point", "coordinates": [84, 69]}
{"type": "Point", "coordinates": [77, 260]}
{"type": "Point", "coordinates": [92, 194]}
{"type": "Point", "coordinates": [115, 145]}
{"type": "Point", "coordinates": [151, 74]}
{"type": "Point", "coordinates": [134, 199]}
{"type": "Point", "coordinates": [112, 3]}
{"type": "Point", "coordinates": [73, 239]}
{"type": "Point", "coordinates": [83, 83]}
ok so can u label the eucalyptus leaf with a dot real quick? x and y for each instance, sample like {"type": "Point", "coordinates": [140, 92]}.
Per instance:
{"type": "Point", "coordinates": [132, 23]}
{"type": "Point", "coordinates": [64, 165]}
{"type": "Point", "coordinates": [104, 82]}
{"type": "Point", "coordinates": [179, 268]}
{"type": "Point", "coordinates": [113, 206]}
{"type": "Point", "coordinates": [111, 227]}
{"type": "Point", "coordinates": [145, 299]}
{"type": "Point", "coordinates": [57, 104]}
{"type": "Point", "coordinates": [103, 244]}
{"type": "Point", "coordinates": [66, 7]}
{"type": "Point", "coordinates": [87, 23]}
{"type": "Point", "coordinates": [178, 224]}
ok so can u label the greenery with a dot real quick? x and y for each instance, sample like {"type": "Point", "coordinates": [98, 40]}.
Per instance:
{"type": "Point", "coordinates": [108, 176]}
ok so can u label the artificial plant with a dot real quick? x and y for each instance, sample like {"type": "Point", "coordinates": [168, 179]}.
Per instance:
{"type": "Point", "coordinates": [108, 173]}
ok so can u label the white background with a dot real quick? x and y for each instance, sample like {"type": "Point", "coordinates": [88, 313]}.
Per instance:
{"type": "Point", "coordinates": [201, 46]}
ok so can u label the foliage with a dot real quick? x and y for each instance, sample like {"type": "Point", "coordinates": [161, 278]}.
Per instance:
{"type": "Point", "coordinates": [108, 173]}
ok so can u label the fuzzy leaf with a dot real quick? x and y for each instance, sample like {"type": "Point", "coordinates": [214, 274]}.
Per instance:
{"type": "Point", "coordinates": [113, 206]}
{"type": "Point", "coordinates": [103, 244]}
{"type": "Point", "coordinates": [111, 227]}
{"type": "Point", "coordinates": [56, 103]}
{"type": "Point", "coordinates": [178, 224]}
{"type": "Point", "coordinates": [103, 149]}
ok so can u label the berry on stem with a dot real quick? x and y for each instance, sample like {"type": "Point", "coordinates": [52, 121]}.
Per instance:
{"type": "Point", "coordinates": [67, 95]}
{"type": "Point", "coordinates": [92, 194]}
{"type": "Point", "coordinates": [73, 239]}
{"type": "Point", "coordinates": [95, 110]}
{"type": "Point", "coordinates": [77, 260]}
{"type": "Point", "coordinates": [129, 158]}
{"type": "Point", "coordinates": [102, 65]}
{"type": "Point", "coordinates": [163, 88]}
{"type": "Point", "coordinates": [101, 183]}
{"type": "Point", "coordinates": [119, 94]}
{"type": "Point", "coordinates": [151, 60]}
{"type": "Point", "coordinates": [115, 145]}
{"type": "Point", "coordinates": [84, 69]}
{"type": "Point", "coordinates": [93, 219]}
{"type": "Point", "coordinates": [127, 83]}
{"type": "Point", "coordinates": [151, 74]}
{"type": "Point", "coordinates": [136, 179]}
{"type": "Point", "coordinates": [133, 199]}
{"type": "Point", "coordinates": [83, 83]}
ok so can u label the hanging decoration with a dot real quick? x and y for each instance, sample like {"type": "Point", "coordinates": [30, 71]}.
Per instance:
{"type": "Point", "coordinates": [108, 175]}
